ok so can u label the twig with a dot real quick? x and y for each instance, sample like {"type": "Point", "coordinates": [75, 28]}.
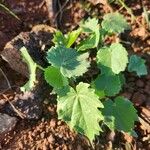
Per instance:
{"type": "Point", "coordinates": [8, 83]}
{"type": "Point", "coordinates": [20, 114]}
{"type": "Point", "coordinates": [129, 10]}
{"type": "Point", "coordinates": [61, 7]}
{"type": "Point", "coordinates": [9, 11]}
{"type": "Point", "coordinates": [5, 90]}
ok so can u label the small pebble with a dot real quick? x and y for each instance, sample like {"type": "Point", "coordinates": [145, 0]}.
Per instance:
{"type": "Point", "coordinates": [59, 123]}
{"type": "Point", "coordinates": [53, 123]}
{"type": "Point", "coordinates": [51, 139]}
{"type": "Point", "coordinates": [42, 135]}
{"type": "Point", "coordinates": [138, 98]}
{"type": "Point", "coordinates": [140, 83]}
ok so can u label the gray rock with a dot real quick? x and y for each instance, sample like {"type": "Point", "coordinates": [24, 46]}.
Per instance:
{"type": "Point", "coordinates": [27, 105]}
{"type": "Point", "coordinates": [40, 36]}
{"type": "Point", "coordinates": [7, 123]}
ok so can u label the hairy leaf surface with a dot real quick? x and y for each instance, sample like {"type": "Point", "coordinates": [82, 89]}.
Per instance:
{"type": "Point", "coordinates": [68, 60]}
{"type": "Point", "coordinates": [79, 108]}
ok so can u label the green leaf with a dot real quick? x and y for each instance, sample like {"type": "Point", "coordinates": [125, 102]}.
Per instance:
{"type": "Point", "coordinates": [72, 37]}
{"type": "Point", "coordinates": [68, 60]}
{"type": "Point", "coordinates": [114, 23]}
{"type": "Point", "coordinates": [59, 38]}
{"type": "Point", "coordinates": [79, 108]}
{"type": "Point", "coordinates": [114, 57]}
{"type": "Point", "coordinates": [110, 84]}
{"type": "Point", "coordinates": [32, 66]}
{"type": "Point", "coordinates": [67, 39]}
{"type": "Point", "coordinates": [87, 44]}
{"type": "Point", "coordinates": [120, 114]}
{"type": "Point", "coordinates": [91, 27]}
{"type": "Point", "coordinates": [137, 64]}
{"type": "Point", "coordinates": [54, 77]}
{"type": "Point", "coordinates": [62, 91]}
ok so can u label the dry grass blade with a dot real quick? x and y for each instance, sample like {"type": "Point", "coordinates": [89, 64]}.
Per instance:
{"type": "Point", "coordinates": [20, 114]}
{"type": "Point", "coordinates": [9, 11]}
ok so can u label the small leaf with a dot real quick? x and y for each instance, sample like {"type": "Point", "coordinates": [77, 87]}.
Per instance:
{"type": "Point", "coordinates": [67, 39]}
{"type": "Point", "coordinates": [120, 114]}
{"type": "Point", "coordinates": [87, 43]}
{"type": "Point", "coordinates": [91, 27]}
{"type": "Point", "coordinates": [114, 23]}
{"type": "Point", "coordinates": [137, 64]}
{"type": "Point", "coordinates": [32, 66]}
{"type": "Point", "coordinates": [114, 57]}
{"type": "Point", "coordinates": [110, 84]}
{"type": "Point", "coordinates": [59, 38]}
{"type": "Point", "coordinates": [72, 37]}
{"type": "Point", "coordinates": [74, 109]}
{"type": "Point", "coordinates": [54, 77]}
{"type": "Point", "coordinates": [68, 60]}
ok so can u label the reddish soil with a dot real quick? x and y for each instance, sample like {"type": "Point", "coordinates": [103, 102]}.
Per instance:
{"type": "Point", "coordinates": [49, 132]}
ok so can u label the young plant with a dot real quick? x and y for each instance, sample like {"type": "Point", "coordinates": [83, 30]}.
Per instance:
{"type": "Point", "coordinates": [85, 107]}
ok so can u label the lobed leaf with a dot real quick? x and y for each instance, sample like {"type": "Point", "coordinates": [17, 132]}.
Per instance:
{"type": "Point", "coordinates": [114, 23]}
{"type": "Point", "coordinates": [91, 27]}
{"type": "Point", "coordinates": [119, 114]}
{"type": "Point", "coordinates": [68, 60]}
{"type": "Point", "coordinates": [74, 109]}
{"type": "Point", "coordinates": [114, 57]}
{"type": "Point", "coordinates": [137, 64]}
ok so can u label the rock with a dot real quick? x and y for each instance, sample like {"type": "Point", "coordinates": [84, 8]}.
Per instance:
{"type": "Point", "coordinates": [34, 41]}
{"type": "Point", "coordinates": [29, 106]}
{"type": "Point", "coordinates": [7, 123]}
{"type": "Point", "coordinates": [53, 123]}
{"type": "Point", "coordinates": [138, 98]}
{"type": "Point", "coordinates": [3, 40]}
{"type": "Point", "coordinates": [42, 135]}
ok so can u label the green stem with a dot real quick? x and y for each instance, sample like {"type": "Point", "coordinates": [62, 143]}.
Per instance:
{"type": "Point", "coordinates": [40, 67]}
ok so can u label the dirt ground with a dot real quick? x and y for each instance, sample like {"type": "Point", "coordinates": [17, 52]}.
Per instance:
{"type": "Point", "coordinates": [48, 132]}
